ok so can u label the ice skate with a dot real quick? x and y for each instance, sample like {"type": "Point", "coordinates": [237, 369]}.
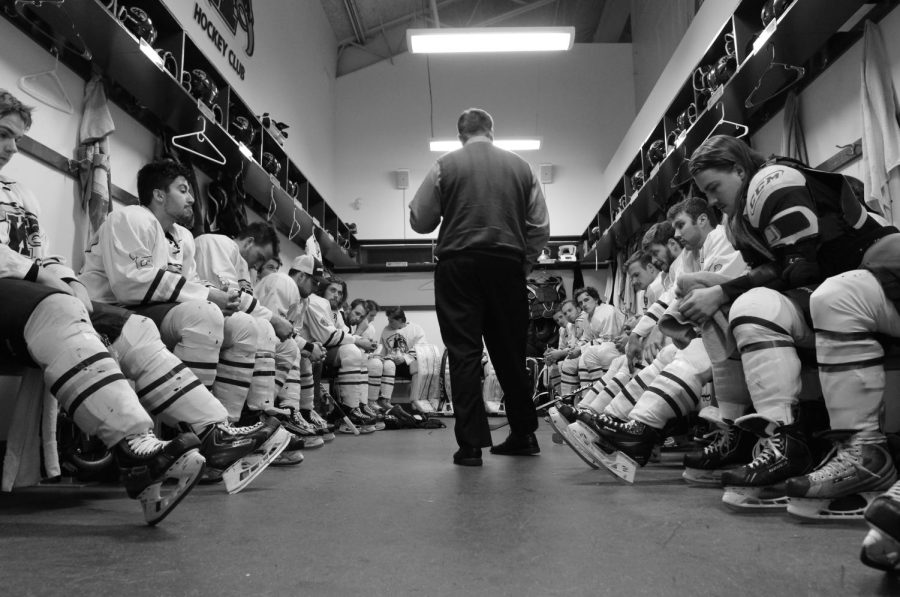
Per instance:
{"type": "Point", "coordinates": [377, 418]}
{"type": "Point", "coordinates": [731, 447]}
{"type": "Point", "coordinates": [362, 423]}
{"type": "Point", "coordinates": [224, 446]}
{"type": "Point", "coordinates": [759, 485]}
{"type": "Point", "coordinates": [881, 547]}
{"type": "Point", "coordinates": [587, 444]}
{"type": "Point", "coordinates": [857, 471]}
{"type": "Point", "coordinates": [274, 438]}
{"type": "Point", "coordinates": [637, 440]}
{"type": "Point", "coordinates": [148, 462]}
{"type": "Point", "coordinates": [292, 454]}
{"type": "Point", "coordinates": [322, 427]}
{"type": "Point", "coordinates": [293, 421]}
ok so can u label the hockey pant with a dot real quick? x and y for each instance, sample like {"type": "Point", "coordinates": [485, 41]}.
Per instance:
{"type": "Point", "coordinates": [675, 392]}
{"type": "Point", "coordinates": [594, 361]}
{"type": "Point", "coordinates": [352, 376]}
{"type": "Point", "coordinates": [381, 374]}
{"type": "Point", "coordinates": [768, 349]}
{"type": "Point", "coordinates": [624, 390]}
{"type": "Point", "coordinates": [425, 371]}
{"type": "Point", "coordinates": [166, 387]}
{"type": "Point", "coordinates": [79, 371]}
{"type": "Point", "coordinates": [849, 311]}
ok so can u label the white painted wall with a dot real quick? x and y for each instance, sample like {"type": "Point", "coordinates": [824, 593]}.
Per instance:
{"type": "Point", "coordinates": [290, 75]}
{"type": "Point", "coordinates": [579, 102]}
{"type": "Point", "coordinates": [656, 30]}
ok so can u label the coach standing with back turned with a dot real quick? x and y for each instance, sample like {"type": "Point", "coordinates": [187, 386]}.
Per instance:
{"type": "Point", "coordinates": [494, 224]}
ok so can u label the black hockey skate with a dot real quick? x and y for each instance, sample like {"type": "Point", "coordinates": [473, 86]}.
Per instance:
{"type": "Point", "coordinates": [881, 547]}
{"type": "Point", "coordinates": [299, 427]}
{"type": "Point", "coordinates": [731, 448]}
{"type": "Point", "coordinates": [322, 427]}
{"type": "Point", "coordinates": [759, 485]}
{"type": "Point", "coordinates": [857, 471]}
{"type": "Point", "coordinates": [634, 438]}
{"type": "Point", "coordinates": [270, 440]}
{"type": "Point", "coordinates": [584, 442]}
{"type": "Point", "coordinates": [147, 462]}
{"type": "Point", "coordinates": [374, 416]}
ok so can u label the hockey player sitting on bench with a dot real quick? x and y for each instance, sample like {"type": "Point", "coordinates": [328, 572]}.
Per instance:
{"type": "Point", "coordinates": [404, 343]}
{"type": "Point", "coordinates": [381, 369]}
{"type": "Point", "coordinates": [603, 322]}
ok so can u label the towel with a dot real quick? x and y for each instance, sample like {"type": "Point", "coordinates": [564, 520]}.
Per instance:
{"type": "Point", "coordinates": [93, 155]}
{"type": "Point", "coordinates": [881, 132]}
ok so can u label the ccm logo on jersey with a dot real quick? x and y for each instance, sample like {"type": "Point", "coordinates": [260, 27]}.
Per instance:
{"type": "Point", "coordinates": [765, 183]}
{"type": "Point", "coordinates": [142, 261]}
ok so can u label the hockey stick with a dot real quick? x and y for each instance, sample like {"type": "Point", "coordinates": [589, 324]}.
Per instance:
{"type": "Point", "coordinates": [344, 416]}
{"type": "Point", "coordinates": [545, 405]}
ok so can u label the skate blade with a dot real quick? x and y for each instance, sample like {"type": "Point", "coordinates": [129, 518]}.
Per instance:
{"type": "Point", "coordinates": [703, 477]}
{"type": "Point", "coordinates": [561, 428]}
{"type": "Point", "coordinates": [754, 499]}
{"type": "Point", "coordinates": [311, 442]}
{"type": "Point", "coordinates": [186, 469]}
{"type": "Point", "coordinates": [244, 471]}
{"type": "Point", "coordinates": [849, 507]}
{"type": "Point", "coordinates": [327, 437]}
{"type": "Point", "coordinates": [880, 551]}
{"type": "Point", "coordinates": [616, 463]}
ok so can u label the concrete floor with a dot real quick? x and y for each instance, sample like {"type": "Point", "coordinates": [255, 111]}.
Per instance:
{"type": "Point", "coordinates": [387, 514]}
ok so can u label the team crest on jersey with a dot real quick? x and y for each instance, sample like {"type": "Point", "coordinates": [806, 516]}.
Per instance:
{"type": "Point", "coordinates": [141, 261]}
{"type": "Point", "coordinates": [716, 267]}
{"type": "Point", "coordinates": [397, 344]}
{"type": "Point", "coordinates": [19, 230]}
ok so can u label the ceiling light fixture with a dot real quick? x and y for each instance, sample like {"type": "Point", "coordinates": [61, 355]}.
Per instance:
{"type": "Point", "coordinates": [445, 145]}
{"type": "Point", "coordinates": [490, 39]}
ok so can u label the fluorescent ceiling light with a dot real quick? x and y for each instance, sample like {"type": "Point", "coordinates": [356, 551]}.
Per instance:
{"type": "Point", "coordinates": [445, 145]}
{"type": "Point", "coordinates": [490, 39]}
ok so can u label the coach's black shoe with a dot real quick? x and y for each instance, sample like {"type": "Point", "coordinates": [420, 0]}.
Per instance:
{"type": "Point", "coordinates": [517, 445]}
{"type": "Point", "coordinates": [466, 456]}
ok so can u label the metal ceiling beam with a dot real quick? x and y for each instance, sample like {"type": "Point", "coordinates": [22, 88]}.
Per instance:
{"type": "Point", "coordinates": [404, 19]}
{"type": "Point", "coordinates": [359, 31]}
{"type": "Point", "coordinates": [516, 12]}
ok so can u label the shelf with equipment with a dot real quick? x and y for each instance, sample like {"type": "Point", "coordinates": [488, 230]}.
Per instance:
{"type": "Point", "coordinates": [154, 77]}
{"type": "Point", "coordinates": [737, 87]}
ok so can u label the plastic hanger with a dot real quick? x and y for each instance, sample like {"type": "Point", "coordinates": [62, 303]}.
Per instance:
{"type": "Point", "coordinates": [295, 225]}
{"type": "Point", "coordinates": [798, 71]}
{"type": "Point", "coordinates": [201, 137]}
{"type": "Point", "coordinates": [46, 87]}
{"type": "Point", "coordinates": [743, 128]}
{"type": "Point", "coordinates": [270, 212]}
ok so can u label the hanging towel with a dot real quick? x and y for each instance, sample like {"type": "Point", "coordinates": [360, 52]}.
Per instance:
{"type": "Point", "coordinates": [22, 462]}
{"type": "Point", "coordinates": [93, 155]}
{"type": "Point", "coordinates": [793, 143]}
{"type": "Point", "coordinates": [881, 132]}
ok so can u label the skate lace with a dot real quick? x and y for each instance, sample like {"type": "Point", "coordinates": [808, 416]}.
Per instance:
{"type": "Point", "coordinates": [721, 442]}
{"type": "Point", "coordinates": [773, 449]}
{"type": "Point", "coordinates": [298, 420]}
{"type": "Point", "coordinates": [611, 422]}
{"type": "Point", "coordinates": [894, 492]}
{"type": "Point", "coordinates": [144, 444]}
{"type": "Point", "coordinates": [240, 430]}
{"type": "Point", "coordinates": [845, 458]}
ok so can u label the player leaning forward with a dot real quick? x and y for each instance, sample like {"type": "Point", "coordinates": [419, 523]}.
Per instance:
{"type": "Point", "coordinates": [45, 322]}
{"type": "Point", "coordinates": [138, 260]}
{"type": "Point", "coordinates": [796, 227]}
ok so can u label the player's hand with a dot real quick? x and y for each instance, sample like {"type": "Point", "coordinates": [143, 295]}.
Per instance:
{"type": "Point", "coordinates": [227, 302]}
{"type": "Point", "coordinates": [652, 345]}
{"type": "Point", "coordinates": [702, 303]}
{"type": "Point", "coordinates": [81, 294]}
{"type": "Point", "coordinates": [318, 353]}
{"type": "Point", "coordinates": [283, 328]}
{"type": "Point", "coordinates": [633, 350]}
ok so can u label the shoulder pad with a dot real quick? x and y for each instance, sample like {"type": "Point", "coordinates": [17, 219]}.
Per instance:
{"type": "Point", "coordinates": [764, 184]}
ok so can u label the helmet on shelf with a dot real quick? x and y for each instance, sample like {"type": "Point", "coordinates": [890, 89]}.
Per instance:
{"type": "Point", "coordinates": [138, 22]}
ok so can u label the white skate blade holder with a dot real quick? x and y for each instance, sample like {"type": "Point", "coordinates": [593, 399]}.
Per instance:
{"type": "Point", "coordinates": [561, 426]}
{"type": "Point", "coordinates": [244, 471]}
{"type": "Point", "coordinates": [748, 499]}
{"type": "Point", "coordinates": [186, 470]}
{"type": "Point", "coordinates": [618, 464]}
{"type": "Point", "coordinates": [850, 507]}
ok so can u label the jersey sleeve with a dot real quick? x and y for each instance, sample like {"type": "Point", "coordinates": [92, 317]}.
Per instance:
{"type": "Point", "coordinates": [14, 265]}
{"type": "Point", "coordinates": [321, 326]}
{"type": "Point", "coordinates": [127, 251]}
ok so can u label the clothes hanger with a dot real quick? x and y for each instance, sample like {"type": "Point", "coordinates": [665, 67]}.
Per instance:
{"type": "Point", "coordinates": [743, 128]}
{"type": "Point", "coordinates": [270, 213]}
{"type": "Point", "coordinates": [295, 225]}
{"type": "Point", "coordinates": [798, 72]}
{"type": "Point", "coordinates": [201, 137]}
{"type": "Point", "coordinates": [46, 87]}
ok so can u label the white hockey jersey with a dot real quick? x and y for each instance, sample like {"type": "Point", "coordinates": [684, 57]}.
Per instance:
{"type": "Point", "coordinates": [278, 294]}
{"type": "Point", "coordinates": [21, 238]}
{"type": "Point", "coordinates": [220, 264]}
{"type": "Point", "coordinates": [318, 325]}
{"type": "Point", "coordinates": [402, 342]}
{"type": "Point", "coordinates": [604, 324]}
{"type": "Point", "coordinates": [130, 262]}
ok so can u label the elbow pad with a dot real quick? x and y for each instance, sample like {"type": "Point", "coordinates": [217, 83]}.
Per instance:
{"type": "Point", "coordinates": [801, 272]}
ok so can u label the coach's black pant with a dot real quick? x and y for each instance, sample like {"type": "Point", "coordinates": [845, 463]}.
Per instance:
{"type": "Point", "coordinates": [482, 295]}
